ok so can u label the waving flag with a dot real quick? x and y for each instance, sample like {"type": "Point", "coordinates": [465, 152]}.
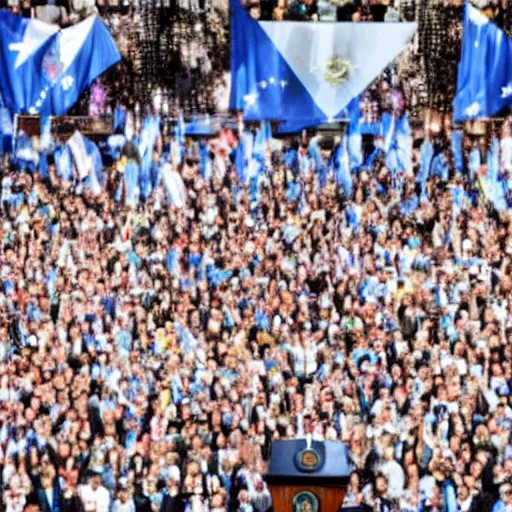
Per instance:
{"type": "Point", "coordinates": [87, 160]}
{"type": "Point", "coordinates": [303, 72]}
{"type": "Point", "coordinates": [484, 84]}
{"type": "Point", "coordinates": [201, 127]}
{"type": "Point", "coordinates": [44, 69]}
{"type": "Point", "coordinates": [490, 183]}
{"type": "Point", "coordinates": [341, 163]}
{"type": "Point", "coordinates": [457, 150]}
{"type": "Point", "coordinates": [426, 157]}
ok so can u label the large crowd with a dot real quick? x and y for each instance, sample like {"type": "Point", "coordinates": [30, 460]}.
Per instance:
{"type": "Point", "coordinates": [171, 306]}
{"type": "Point", "coordinates": [160, 328]}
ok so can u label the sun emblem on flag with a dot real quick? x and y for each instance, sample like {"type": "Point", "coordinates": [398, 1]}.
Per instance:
{"type": "Point", "coordinates": [52, 65]}
{"type": "Point", "coordinates": [338, 71]}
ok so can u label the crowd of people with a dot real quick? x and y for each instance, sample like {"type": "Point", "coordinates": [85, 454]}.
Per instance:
{"type": "Point", "coordinates": [163, 323]}
{"type": "Point", "coordinates": [323, 10]}
{"type": "Point", "coordinates": [169, 307]}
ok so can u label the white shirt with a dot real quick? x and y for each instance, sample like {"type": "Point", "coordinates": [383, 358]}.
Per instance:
{"type": "Point", "coordinates": [94, 500]}
{"type": "Point", "coordinates": [305, 359]}
{"type": "Point", "coordinates": [396, 478]}
{"type": "Point", "coordinates": [129, 506]}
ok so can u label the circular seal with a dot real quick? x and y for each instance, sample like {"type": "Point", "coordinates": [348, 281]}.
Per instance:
{"type": "Point", "coordinates": [338, 71]}
{"type": "Point", "coordinates": [308, 460]}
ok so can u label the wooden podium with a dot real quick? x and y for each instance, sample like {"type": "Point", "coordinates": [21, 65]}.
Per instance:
{"type": "Point", "coordinates": [308, 476]}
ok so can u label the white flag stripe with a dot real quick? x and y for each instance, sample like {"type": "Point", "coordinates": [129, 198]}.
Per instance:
{"type": "Point", "coordinates": [308, 48]}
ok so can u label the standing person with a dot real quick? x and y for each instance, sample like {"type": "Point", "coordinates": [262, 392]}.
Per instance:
{"type": "Point", "coordinates": [49, 495]}
{"type": "Point", "coordinates": [124, 502]}
{"type": "Point", "coordinates": [94, 496]}
{"type": "Point", "coordinates": [505, 502]}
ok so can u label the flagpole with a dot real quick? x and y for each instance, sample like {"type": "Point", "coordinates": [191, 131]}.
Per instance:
{"type": "Point", "coordinates": [14, 132]}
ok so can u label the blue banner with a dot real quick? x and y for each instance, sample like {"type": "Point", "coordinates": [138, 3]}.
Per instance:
{"type": "Point", "coordinates": [306, 73]}
{"type": "Point", "coordinates": [484, 84]}
{"type": "Point", "coordinates": [45, 69]}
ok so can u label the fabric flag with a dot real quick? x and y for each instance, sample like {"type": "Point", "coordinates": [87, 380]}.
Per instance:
{"type": "Point", "coordinates": [44, 69]}
{"type": "Point", "coordinates": [64, 163]}
{"type": "Point", "coordinates": [304, 72]}
{"type": "Point", "coordinates": [26, 155]}
{"type": "Point", "coordinates": [475, 161]}
{"type": "Point", "coordinates": [6, 130]}
{"type": "Point", "coordinates": [484, 83]}
{"type": "Point", "coordinates": [148, 138]}
{"type": "Point", "coordinates": [240, 165]}
{"type": "Point", "coordinates": [201, 127]}
{"type": "Point", "coordinates": [180, 129]}
{"type": "Point", "coordinates": [260, 142]}
{"type": "Point", "coordinates": [130, 182]}
{"type": "Point", "coordinates": [174, 186]}
{"type": "Point", "coordinates": [314, 151]}
{"type": "Point", "coordinates": [356, 128]}
{"type": "Point", "coordinates": [244, 155]}
{"type": "Point", "coordinates": [492, 187]}
{"type": "Point", "coordinates": [119, 119]}
{"type": "Point", "coordinates": [87, 160]}
{"type": "Point", "coordinates": [177, 146]}
{"type": "Point", "coordinates": [83, 163]}
{"type": "Point", "coordinates": [321, 168]}
{"type": "Point", "coordinates": [205, 162]}
{"type": "Point", "coordinates": [46, 132]}
{"type": "Point", "coordinates": [397, 135]}
{"type": "Point", "coordinates": [357, 121]}
{"type": "Point", "coordinates": [355, 150]}
{"type": "Point", "coordinates": [96, 179]}
{"type": "Point", "coordinates": [440, 166]}
{"type": "Point", "coordinates": [457, 150]}
{"type": "Point", "coordinates": [342, 167]}
{"type": "Point", "coordinates": [426, 157]}
{"type": "Point", "coordinates": [388, 131]}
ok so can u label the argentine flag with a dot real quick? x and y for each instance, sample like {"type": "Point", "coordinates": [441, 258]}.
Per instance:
{"type": "Point", "coordinates": [307, 73]}
{"type": "Point", "coordinates": [43, 69]}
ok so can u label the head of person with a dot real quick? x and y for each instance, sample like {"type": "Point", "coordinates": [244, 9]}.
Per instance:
{"type": "Point", "coordinates": [506, 493]}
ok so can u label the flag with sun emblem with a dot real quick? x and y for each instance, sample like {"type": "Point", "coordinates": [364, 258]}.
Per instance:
{"type": "Point", "coordinates": [44, 69]}
{"type": "Point", "coordinates": [306, 72]}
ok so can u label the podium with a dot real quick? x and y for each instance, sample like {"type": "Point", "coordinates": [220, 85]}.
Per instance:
{"type": "Point", "coordinates": [308, 476]}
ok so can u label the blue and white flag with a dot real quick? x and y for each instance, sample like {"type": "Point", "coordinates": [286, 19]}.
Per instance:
{"type": "Point", "coordinates": [87, 161]}
{"type": "Point", "coordinates": [6, 130]}
{"type": "Point", "coordinates": [240, 161]}
{"type": "Point", "coordinates": [357, 120]}
{"type": "Point", "coordinates": [260, 143]}
{"type": "Point", "coordinates": [484, 84]}
{"type": "Point", "coordinates": [46, 132]}
{"type": "Point", "coordinates": [457, 150]}
{"type": "Point", "coordinates": [204, 127]}
{"type": "Point", "coordinates": [426, 157]}
{"type": "Point", "coordinates": [6, 123]}
{"type": "Point", "coordinates": [303, 72]}
{"type": "Point", "coordinates": [492, 186]}
{"type": "Point", "coordinates": [475, 161]}
{"type": "Point", "coordinates": [205, 161]}
{"type": "Point", "coordinates": [44, 69]}
{"type": "Point", "coordinates": [174, 186]}
{"type": "Point", "coordinates": [341, 163]}
{"type": "Point", "coordinates": [397, 135]}
{"type": "Point", "coordinates": [180, 129]}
